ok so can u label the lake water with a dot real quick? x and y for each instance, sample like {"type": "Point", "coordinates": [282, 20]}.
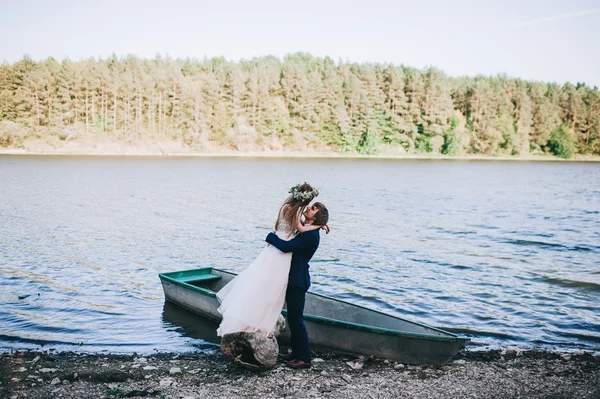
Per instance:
{"type": "Point", "coordinates": [507, 253]}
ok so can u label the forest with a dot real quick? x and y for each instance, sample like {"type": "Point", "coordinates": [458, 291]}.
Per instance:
{"type": "Point", "coordinates": [298, 103]}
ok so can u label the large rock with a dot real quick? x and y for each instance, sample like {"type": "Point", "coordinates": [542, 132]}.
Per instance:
{"type": "Point", "coordinates": [255, 351]}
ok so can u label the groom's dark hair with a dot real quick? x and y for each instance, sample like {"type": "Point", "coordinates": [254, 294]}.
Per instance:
{"type": "Point", "coordinates": [322, 216]}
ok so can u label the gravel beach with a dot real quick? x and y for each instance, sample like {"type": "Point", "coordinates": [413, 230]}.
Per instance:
{"type": "Point", "coordinates": [491, 374]}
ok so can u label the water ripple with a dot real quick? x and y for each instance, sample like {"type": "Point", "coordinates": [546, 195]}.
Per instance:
{"type": "Point", "coordinates": [475, 252]}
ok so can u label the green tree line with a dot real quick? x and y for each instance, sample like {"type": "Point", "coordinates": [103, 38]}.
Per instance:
{"type": "Point", "coordinates": [298, 103]}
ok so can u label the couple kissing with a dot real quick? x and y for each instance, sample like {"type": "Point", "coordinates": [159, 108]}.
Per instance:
{"type": "Point", "coordinates": [253, 300]}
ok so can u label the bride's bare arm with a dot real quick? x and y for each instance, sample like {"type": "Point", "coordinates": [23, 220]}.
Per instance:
{"type": "Point", "coordinates": [303, 228]}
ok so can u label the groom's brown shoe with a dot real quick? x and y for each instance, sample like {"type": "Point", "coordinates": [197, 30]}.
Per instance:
{"type": "Point", "coordinates": [298, 364]}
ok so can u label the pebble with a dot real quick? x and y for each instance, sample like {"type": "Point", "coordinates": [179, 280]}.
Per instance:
{"type": "Point", "coordinates": [355, 365]}
{"type": "Point", "coordinates": [141, 360]}
{"type": "Point", "coordinates": [47, 370]}
{"type": "Point", "coordinates": [512, 350]}
{"type": "Point", "coordinates": [55, 381]}
{"type": "Point", "coordinates": [399, 366]}
{"type": "Point", "coordinates": [175, 370]}
{"type": "Point", "coordinates": [165, 382]}
{"type": "Point", "coordinates": [149, 368]}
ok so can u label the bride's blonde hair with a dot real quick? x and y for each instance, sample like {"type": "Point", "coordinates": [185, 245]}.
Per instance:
{"type": "Point", "coordinates": [301, 196]}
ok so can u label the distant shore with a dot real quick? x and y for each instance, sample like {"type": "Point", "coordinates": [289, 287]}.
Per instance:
{"type": "Point", "coordinates": [284, 154]}
{"type": "Point", "coordinates": [492, 374]}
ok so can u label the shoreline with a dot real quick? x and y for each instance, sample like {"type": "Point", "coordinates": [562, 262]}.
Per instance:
{"type": "Point", "coordinates": [490, 374]}
{"type": "Point", "coordinates": [290, 155]}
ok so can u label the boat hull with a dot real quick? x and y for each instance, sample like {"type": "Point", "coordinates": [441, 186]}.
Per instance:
{"type": "Point", "coordinates": [331, 324]}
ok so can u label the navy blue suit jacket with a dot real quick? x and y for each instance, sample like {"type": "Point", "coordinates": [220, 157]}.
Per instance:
{"type": "Point", "coordinates": [303, 247]}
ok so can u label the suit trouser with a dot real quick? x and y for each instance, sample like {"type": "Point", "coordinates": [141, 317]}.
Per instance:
{"type": "Point", "coordinates": [295, 298]}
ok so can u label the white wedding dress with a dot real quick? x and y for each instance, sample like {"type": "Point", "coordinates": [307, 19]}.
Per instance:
{"type": "Point", "coordinates": [253, 300]}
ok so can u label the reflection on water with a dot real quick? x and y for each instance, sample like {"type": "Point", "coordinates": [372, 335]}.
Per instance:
{"type": "Point", "coordinates": [190, 324]}
{"type": "Point", "coordinates": [506, 253]}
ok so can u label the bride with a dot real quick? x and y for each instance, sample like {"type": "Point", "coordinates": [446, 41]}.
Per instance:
{"type": "Point", "coordinates": [253, 300]}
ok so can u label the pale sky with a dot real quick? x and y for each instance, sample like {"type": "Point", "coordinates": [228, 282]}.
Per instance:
{"type": "Point", "coordinates": [531, 39]}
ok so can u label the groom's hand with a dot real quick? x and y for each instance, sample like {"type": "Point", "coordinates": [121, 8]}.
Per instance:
{"type": "Point", "coordinates": [326, 228]}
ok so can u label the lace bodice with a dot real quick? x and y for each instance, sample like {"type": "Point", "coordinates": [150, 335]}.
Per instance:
{"type": "Point", "coordinates": [284, 229]}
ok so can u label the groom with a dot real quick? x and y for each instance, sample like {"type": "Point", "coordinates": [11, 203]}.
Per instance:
{"type": "Point", "coordinates": [303, 247]}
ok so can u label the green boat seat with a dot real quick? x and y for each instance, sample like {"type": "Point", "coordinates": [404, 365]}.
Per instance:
{"type": "Point", "coordinates": [199, 278]}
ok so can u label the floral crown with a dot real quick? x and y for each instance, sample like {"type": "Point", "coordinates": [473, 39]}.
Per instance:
{"type": "Point", "coordinates": [303, 196]}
